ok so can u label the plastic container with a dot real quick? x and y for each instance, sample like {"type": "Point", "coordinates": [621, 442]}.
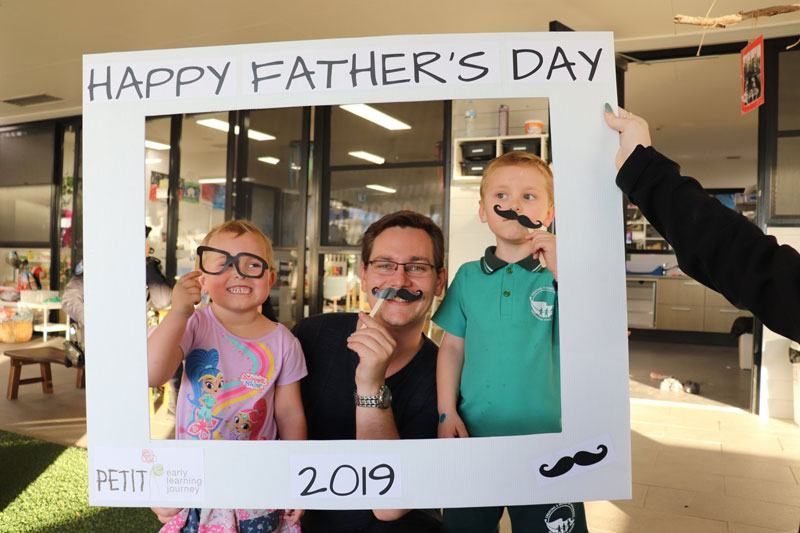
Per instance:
{"type": "Point", "coordinates": [478, 150]}
{"type": "Point", "coordinates": [502, 120]}
{"type": "Point", "coordinates": [533, 127]}
{"type": "Point", "coordinates": [473, 168]}
{"type": "Point", "coordinates": [469, 120]}
{"type": "Point", "coordinates": [532, 146]}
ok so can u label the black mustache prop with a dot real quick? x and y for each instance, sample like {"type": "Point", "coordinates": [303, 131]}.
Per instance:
{"type": "Point", "coordinates": [510, 214]}
{"type": "Point", "coordinates": [581, 458]}
{"type": "Point", "coordinates": [391, 292]}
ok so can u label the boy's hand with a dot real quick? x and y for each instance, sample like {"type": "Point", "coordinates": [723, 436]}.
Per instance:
{"type": "Point", "coordinates": [187, 293]}
{"type": "Point", "coordinates": [451, 425]}
{"type": "Point", "coordinates": [543, 244]}
{"type": "Point", "coordinates": [165, 514]}
{"type": "Point", "coordinates": [292, 516]}
{"type": "Point", "coordinates": [374, 346]}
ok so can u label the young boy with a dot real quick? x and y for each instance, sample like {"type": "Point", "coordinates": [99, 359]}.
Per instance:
{"type": "Point", "coordinates": [498, 369]}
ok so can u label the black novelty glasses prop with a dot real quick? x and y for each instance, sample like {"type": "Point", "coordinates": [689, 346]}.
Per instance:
{"type": "Point", "coordinates": [214, 261]}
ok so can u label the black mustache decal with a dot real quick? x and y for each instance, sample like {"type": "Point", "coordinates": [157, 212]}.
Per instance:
{"type": "Point", "coordinates": [510, 214]}
{"type": "Point", "coordinates": [391, 292]}
{"type": "Point", "coordinates": [581, 458]}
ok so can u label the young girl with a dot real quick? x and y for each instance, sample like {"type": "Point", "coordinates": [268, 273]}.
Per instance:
{"type": "Point", "coordinates": [242, 371]}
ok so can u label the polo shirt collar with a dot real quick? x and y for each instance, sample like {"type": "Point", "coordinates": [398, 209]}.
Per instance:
{"type": "Point", "coordinates": [490, 263]}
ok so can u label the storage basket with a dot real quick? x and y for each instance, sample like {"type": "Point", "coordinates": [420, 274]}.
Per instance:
{"type": "Point", "coordinates": [478, 150]}
{"type": "Point", "coordinates": [473, 168]}
{"type": "Point", "coordinates": [532, 146]}
{"type": "Point", "coordinates": [16, 331]}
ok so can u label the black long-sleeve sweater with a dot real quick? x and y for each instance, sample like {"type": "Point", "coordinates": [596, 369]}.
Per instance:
{"type": "Point", "coordinates": [715, 245]}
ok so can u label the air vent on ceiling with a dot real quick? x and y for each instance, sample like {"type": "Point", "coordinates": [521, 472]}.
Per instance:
{"type": "Point", "coordinates": [36, 99]}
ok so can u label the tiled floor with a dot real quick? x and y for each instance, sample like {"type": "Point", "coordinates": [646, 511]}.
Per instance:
{"type": "Point", "coordinates": [696, 467]}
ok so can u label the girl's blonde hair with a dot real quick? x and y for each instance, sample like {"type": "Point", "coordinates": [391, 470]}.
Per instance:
{"type": "Point", "coordinates": [520, 159]}
{"type": "Point", "coordinates": [240, 227]}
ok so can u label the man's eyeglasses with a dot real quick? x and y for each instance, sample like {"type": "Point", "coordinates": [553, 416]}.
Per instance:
{"type": "Point", "coordinates": [388, 268]}
{"type": "Point", "coordinates": [215, 262]}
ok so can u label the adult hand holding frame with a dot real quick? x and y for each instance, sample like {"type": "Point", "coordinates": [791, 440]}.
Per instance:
{"type": "Point", "coordinates": [574, 70]}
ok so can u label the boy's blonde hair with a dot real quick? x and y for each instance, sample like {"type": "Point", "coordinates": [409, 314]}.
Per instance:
{"type": "Point", "coordinates": [520, 159]}
{"type": "Point", "coordinates": [240, 227]}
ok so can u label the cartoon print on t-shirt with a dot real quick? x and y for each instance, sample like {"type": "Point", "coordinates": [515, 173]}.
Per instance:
{"type": "Point", "coordinates": [243, 396]}
{"type": "Point", "coordinates": [247, 423]}
{"type": "Point", "coordinates": [207, 381]}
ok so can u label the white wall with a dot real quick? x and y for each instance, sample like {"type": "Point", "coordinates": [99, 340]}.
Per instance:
{"type": "Point", "coordinates": [776, 398]}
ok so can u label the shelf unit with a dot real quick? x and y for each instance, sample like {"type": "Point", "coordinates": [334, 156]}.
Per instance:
{"type": "Point", "coordinates": [498, 140]}
{"type": "Point", "coordinates": [640, 235]}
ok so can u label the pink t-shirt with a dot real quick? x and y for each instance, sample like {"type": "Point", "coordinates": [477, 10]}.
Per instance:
{"type": "Point", "coordinates": [228, 386]}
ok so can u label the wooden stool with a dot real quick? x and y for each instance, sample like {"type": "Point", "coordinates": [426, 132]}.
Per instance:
{"type": "Point", "coordinates": [43, 357]}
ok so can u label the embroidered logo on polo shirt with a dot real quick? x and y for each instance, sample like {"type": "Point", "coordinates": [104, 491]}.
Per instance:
{"type": "Point", "coordinates": [560, 518]}
{"type": "Point", "coordinates": [541, 305]}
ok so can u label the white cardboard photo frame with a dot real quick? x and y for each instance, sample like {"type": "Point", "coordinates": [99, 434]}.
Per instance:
{"type": "Point", "coordinates": [575, 72]}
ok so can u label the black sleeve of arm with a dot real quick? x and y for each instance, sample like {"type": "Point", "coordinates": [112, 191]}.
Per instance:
{"type": "Point", "coordinates": [715, 245]}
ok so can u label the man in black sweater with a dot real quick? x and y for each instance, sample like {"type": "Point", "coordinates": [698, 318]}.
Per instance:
{"type": "Point", "coordinates": [386, 361]}
{"type": "Point", "coordinates": [715, 245]}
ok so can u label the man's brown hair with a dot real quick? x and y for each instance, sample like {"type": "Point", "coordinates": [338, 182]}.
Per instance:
{"type": "Point", "coordinates": [240, 227]}
{"type": "Point", "coordinates": [520, 159]}
{"type": "Point", "coordinates": [405, 219]}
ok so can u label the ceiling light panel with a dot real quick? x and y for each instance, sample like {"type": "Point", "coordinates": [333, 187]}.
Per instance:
{"type": "Point", "coordinates": [153, 145]}
{"type": "Point", "coordinates": [378, 117]}
{"type": "Point", "coordinates": [221, 125]}
{"type": "Point", "coordinates": [372, 158]}
{"type": "Point", "coordinates": [381, 188]}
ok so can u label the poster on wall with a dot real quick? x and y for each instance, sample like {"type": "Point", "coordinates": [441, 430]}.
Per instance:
{"type": "Point", "coordinates": [586, 458]}
{"type": "Point", "coordinates": [752, 75]}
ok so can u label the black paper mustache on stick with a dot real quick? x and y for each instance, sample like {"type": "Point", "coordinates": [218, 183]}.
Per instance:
{"type": "Point", "coordinates": [581, 458]}
{"type": "Point", "coordinates": [391, 292]}
{"type": "Point", "coordinates": [510, 214]}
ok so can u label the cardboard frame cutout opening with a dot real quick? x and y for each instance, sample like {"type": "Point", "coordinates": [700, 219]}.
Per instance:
{"type": "Point", "coordinates": [592, 453]}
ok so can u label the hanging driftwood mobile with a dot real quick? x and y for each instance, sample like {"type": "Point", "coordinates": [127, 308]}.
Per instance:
{"type": "Point", "coordinates": [730, 20]}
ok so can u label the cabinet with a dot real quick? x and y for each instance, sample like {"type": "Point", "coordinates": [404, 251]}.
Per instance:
{"type": "Point", "coordinates": [680, 304]}
{"type": "Point", "coordinates": [641, 303]}
{"type": "Point", "coordinates": [472, 170]}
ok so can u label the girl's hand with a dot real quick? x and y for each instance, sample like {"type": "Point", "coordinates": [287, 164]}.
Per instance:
{"type": "Point", "coordinates": [633, 131]}
{"type": "Point", "coordinates": [165, 514]}
{"type": "Point", "coordinates": [451, 425]}
{"type": "Point", "coordinates": [292, 516]}
{"type": "Point", "coordinates": [187, 293]}
{"type": "Point", "coordinates": [543, 244]}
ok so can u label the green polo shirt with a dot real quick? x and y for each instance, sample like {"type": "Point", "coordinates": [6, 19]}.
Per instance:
{"type": "Point", "coordinates": [507, 315]}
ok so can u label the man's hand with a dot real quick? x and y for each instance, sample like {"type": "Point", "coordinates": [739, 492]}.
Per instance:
{"type": "Point", "coordinates": [633, 131]}
{"type": "Point", "coordinates": [165, 514]}
{"type": "Point", "coordinates": [543, 244]}
{"type": "Point", "coordinates": [186, 294]}
{"type": "Point", "coordinates": [374, 346]}
{"type": "Point", "coordinates": [292, 516]}
{"type": "Point", "coordinates": [451, 425]}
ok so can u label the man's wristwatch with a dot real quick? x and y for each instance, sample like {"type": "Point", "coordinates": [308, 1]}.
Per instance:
{"type": "Point", "coordinates": [382, 400]}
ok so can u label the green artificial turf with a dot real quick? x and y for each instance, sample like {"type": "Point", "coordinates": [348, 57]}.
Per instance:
{"type": "Point", "coordinates": [44, 488]}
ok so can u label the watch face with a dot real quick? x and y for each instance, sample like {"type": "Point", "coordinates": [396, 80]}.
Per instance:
{"type": "Point", "coordinates": [385, 397]}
